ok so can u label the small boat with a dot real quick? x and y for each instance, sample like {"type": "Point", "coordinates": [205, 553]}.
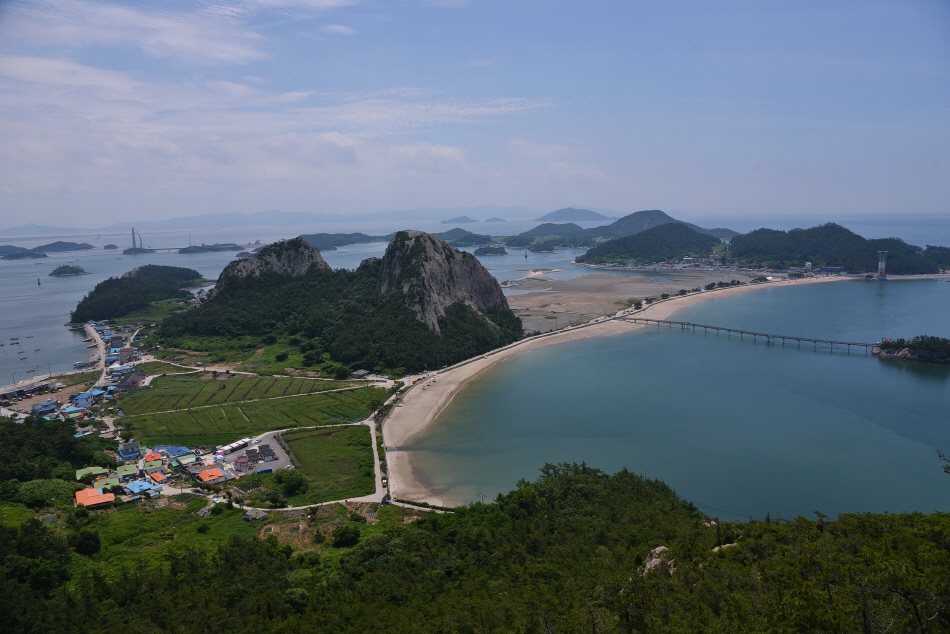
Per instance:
{"type": "Point", "coordinates": [29, 336]}
{"type": "Point", "coordinates": [21, 358]}
{"type": "Point", "coordinates": [13, 338]}
{"type": "Point", "coordinates": [37, 350]}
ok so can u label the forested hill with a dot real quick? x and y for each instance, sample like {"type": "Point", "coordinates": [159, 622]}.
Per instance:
{"type": "Point", "coordinates": [832, 245]}
{"type": "Point", "coordinates": [135, 290]}
{"type": "Point", "coordinates": [667, 241]}
{"type": "Point", "coordinates": [570, 234]}
{"type": "Point", "coordinates": [575, 551]}
{"type": "Point", "coordinates": [423, 303]}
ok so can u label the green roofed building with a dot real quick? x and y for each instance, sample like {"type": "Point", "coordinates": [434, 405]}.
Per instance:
{"type": "Point", "coordinates": [127, 471]}
{"type": "Point", "coordinates": [105, 483]}
{"type": "Point", "coordinates": [187, 459]}
{"type": "Point", "coordinates": [152, 466]}
{"type": "Point", "coordinates": [96, 471]}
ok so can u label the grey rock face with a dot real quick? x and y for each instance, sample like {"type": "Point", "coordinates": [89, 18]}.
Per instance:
{"type": "Point", "coordinates": [294, 257]}
{"type": "Point", "coordinates": [434, 276]}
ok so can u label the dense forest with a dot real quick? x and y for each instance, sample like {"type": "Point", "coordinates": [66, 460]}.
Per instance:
{"type": "Point", "coordinates": [330, 241]}
{"type": "Point", "coordinates": [833, 245]}
{"type": "Point", "coordinates": [38, 450]}
{"type": "Point", "coordinates": [672, 241]}
{"type": "Point", "coordinates": [463, 238]}
{"type": "Point", "coordinates": [575, 551]}
{"type": "Point", "coordinates": [119, 296]}
{"type": "Point", "coordinates": [340, 321]}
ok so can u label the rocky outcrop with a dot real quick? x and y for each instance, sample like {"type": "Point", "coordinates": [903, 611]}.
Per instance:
{"type": "Point", "coordinates": [293, 257]}
{"type": "Point", "coordinates": [910, 354]}
{"type": "Point", "coordinates": [434, 276]}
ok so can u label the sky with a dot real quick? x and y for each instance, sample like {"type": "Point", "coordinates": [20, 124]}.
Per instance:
{"type": "Point", "coordinates": [112, 111]}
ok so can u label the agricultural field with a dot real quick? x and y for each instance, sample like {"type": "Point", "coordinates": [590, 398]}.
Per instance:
{"type": "Point", "coordinates": [336, 462]}
{"type": "Point", "coordinates": [220, 424]}
{"type": "Point", "coordinates": [182, 392]}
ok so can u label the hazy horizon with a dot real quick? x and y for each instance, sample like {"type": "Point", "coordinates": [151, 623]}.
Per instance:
{"type": "Point", "coordinates": [111, 111]}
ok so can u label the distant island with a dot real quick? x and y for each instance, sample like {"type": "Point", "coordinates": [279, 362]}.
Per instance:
{"type": "Point", "coordinates": [110, 247]}
{"type": "Point", "coordinates": [460, 220]}
{"type": "Point", "coordinates": [922, 348]}
{"type": "Point", "coordinates": [495, 219]}
{"type": "Point", "coordinates": [135, 290]}
{"type": "Point", "coordinates": [67, 269]}
{"type": "Point", "coordinates": [330, 241]}
{"type": "Point", "coordinates": [422, 304]}
{"type": "Point", "coordinates": [491, 251]}
{"type": "Point", "coordinates": [461, 238]}
{"type": "Point", "coordinates": [572, 235]}
{"type": "Point", "coordinates": [831, 245]}
{"type": "Point", "coordinates": [570, 214]}
{"type": "Point", "coordinates": [669, 241]}
{"type": "Point", "coordinates": [211, 248]}
{"type": "Point", "coordinates": [8, 252]}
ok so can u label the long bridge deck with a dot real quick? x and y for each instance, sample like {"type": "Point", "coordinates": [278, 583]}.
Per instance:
{"type": "Point", "coordinates": [769, 337]}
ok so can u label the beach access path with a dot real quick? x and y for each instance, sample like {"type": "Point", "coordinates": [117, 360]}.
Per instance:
{"type": "Point", "coordinates": [422, 404]}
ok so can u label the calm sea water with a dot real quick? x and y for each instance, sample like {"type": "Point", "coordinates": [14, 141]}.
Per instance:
{"type": "Point", "coordinates": [740, 428]}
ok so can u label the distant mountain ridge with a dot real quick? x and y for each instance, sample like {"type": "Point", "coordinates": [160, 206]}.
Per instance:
{"type": "Point", "coordinates": [671, 240]}
{"type": "Point", "coordinates": [571, 214]}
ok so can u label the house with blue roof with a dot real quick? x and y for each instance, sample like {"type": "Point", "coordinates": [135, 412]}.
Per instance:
{"type": "Point", "coordinates": [140, 486]}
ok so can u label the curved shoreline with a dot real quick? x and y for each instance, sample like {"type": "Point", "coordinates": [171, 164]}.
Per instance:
{"type": "Point", "coordinates": [422, 404]}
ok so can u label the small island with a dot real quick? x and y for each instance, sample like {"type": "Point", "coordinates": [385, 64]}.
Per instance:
{"type": "Point", "coordinates": [211, 248]}
{"type": "Point", "coordinates": [110, 247]}
{"type": "Point", "coordinates": [68, 269]}
{"type": "Point", "coordinates": [921, 348]}
{"type": "Point", "coordinates": [491, 251]}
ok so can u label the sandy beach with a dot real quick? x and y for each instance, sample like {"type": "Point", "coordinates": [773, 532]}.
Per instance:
{"type": "Point", "coordinates": [421, 406]}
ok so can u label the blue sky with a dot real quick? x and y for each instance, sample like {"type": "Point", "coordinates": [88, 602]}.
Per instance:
{"type": "Point", "coordinates": [111, 110]}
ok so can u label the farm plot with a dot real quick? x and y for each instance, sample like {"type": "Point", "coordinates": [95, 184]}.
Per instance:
{"type": "Point", "coordinates": [220, 424]}
{"type": "Point", "coordinates": [169, 393]}
{"type": "Point", "coordinates": [336, 462]}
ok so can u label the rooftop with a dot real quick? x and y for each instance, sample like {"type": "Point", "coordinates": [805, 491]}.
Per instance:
{"type": "Point", "coordinates": [210, 474]}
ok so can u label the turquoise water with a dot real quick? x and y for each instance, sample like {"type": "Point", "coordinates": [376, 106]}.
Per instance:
{"type": "Point", "coordinates": [740, 428]}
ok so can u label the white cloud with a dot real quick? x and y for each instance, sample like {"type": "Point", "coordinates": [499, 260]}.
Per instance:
{"type": "Point", "coordinates": [80, 133]}
{"type": "Point", "coordinates": [338, 29]}
{"type": "Point", "coordinates": [198, 38]}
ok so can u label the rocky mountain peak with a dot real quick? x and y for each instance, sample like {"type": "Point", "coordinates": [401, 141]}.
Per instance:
{"type": "Point", "coordinates": [434, 276]}
{"type": "Point", "coordinates": [294, 257]}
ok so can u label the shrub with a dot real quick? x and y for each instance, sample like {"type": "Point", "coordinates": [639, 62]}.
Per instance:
{"type": "Point", "coordinates": [281, 356]}
{"type": "Point", "coordinates": [85, 542]}
{"type": "Point", "coordinates": [345, 535]}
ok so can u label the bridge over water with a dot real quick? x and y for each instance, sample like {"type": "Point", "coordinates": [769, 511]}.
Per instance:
{"type": "Point", "coordinates": [769, 337]}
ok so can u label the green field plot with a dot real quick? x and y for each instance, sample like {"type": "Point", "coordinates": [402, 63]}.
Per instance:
{"type": "Point", "coordinates": [159, 367]}
{"type": "Point", "coordinates": [169, 393]}
{"type": "Point", "coordinates": [220, 424]}
{"type": "Point", "coordinates": [336, 462]}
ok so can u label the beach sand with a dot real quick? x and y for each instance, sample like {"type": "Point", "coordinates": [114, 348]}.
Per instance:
{"type": "Point", "coordinates": [421, 406]}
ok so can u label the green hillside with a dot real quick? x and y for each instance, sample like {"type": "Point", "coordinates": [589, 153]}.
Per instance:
{"type": "Point", "coordinates": [134, 291]}
{"type": "Point", "coordinates": [830, 245]}
{"type": "Point", "coordinates": [575, 551]}
{"type": "Point", "coordinates": [664, 242]}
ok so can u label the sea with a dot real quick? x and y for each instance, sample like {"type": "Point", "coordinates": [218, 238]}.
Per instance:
{"type": "Point", "coordinates": [741, 428]}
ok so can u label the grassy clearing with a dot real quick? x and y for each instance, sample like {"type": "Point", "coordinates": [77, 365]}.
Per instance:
{"type": "Point", "coordinates": [337, 463]}
{"type": "Point", "coordinates": [14, 514]}
{"type": "Point", "coordinates": [75, 379]}
{"type": "Point", "coordinates": [158, 311]}
{"type": "Point", "coordinates": [158, 367]}
{"type": "Point", "coordinates": [225, 423]}
{"type": "Point", "coordinates": [181, 392]}
{"type": "Point", "coordinates": [141, 532]}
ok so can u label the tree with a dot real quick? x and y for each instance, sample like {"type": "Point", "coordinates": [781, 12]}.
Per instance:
{"type": "Point", "coordinates": [291, 482]}
{"type": "Point", "coordinates": [345, 535]}
{"type": "Point", "coordinates": [85, 542]}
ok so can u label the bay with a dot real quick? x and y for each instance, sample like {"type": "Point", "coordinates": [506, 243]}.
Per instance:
{"type": "Point", "coordinates": [741, 428]}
